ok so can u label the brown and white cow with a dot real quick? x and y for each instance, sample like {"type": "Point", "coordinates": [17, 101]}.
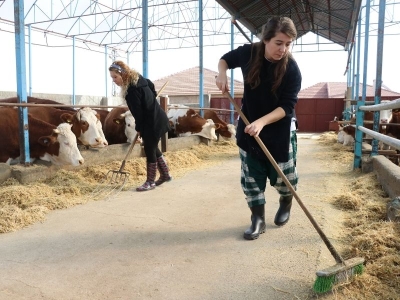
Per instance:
{"type": "Point", "coordinates": [56, 144]}
{"type": "Point", "coordinates": [86, 124]}
{"type": "Point", "coordinates": [119, 126]}
{"type": "Point", "coordinates": [349, 132]}
{"type": "Point", "coordinates": [185, 122]}
{"type": "Point", "coordinates": [225, 130]}
{"type": "Point", "coordinates": [394, 131]}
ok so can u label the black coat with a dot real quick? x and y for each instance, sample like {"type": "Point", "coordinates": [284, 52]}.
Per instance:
{"type": "Point", "coordinates": [260, 101]}
{"type": "Point", "coordinates": [151, 120]}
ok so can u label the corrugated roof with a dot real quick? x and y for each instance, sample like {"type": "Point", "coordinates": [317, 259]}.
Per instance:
{"type": "Point", "coordinates": [119, 24]}
{"type": "Point", "coordinates": [334, 20]}
{"type": "Point", "coordinates": [187, 82]}
{"type": "Point", "coordinates": [338, 90]}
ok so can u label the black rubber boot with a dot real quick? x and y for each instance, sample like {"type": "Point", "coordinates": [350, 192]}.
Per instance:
{"type": "Point", "coordinates": [151, 177]}
{"type": "Point", "coordinates": [164, 171]}
{"type": "Point", "coordinates": [283, 213]}
{"type": "Point", "coordinates": [257, 226]}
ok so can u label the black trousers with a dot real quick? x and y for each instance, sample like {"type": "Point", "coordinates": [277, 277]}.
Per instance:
{"type": "Point", "coordinates": [151, 149]}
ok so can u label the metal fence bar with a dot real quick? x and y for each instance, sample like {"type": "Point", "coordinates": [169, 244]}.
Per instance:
{"type": "Point", "coordinates": [392, 142]}
{"type": "Point", "coordinates": [394, 104]}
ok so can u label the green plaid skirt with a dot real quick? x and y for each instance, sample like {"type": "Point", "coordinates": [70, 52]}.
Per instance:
{"type": "Point", "coordinates": [255, 174]}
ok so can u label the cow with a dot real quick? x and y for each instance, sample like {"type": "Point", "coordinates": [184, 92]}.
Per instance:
{"type": "Point", "coordinates": [394, 131]}
{"type": "Point", "coordinates": [119, 126]}
{"type": "Point", "coordinates": [227, 131]}
{"type": "Point", "coordinates": [349, 135]}
{"type": "Point", "coordinates": [34, 100]}
{"type": "Point", "coordinates": [56, 144]}
{"type": "Point", "coordinates": [340, 135]}
{"type": "Point", "coordinates": [185, 122]}
{"type": "Point", "coordinates": [86, 124]}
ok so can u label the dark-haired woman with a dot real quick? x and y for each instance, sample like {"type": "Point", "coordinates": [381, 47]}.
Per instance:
{"type": "Point", "coordinates": [272, 81]}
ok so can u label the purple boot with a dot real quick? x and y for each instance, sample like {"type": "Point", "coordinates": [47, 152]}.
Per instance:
{"type": "Point", "coordinates": [151, 177]}
{"type": "Point", "coordinates": [164, 171]}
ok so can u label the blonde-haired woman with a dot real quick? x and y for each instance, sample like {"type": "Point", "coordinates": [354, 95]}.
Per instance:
{"type": "Point", "coordinates": [151, 121]}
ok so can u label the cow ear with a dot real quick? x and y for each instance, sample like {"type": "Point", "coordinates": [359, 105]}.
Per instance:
{"type": "Point", "coordinates": [117, 121]}
{"type": "Point", "coordinates": [44, 141]}
{"type": "Point", "coordinates": [217, 125]}
{"type": "Point", "coordinates": [67, 118]}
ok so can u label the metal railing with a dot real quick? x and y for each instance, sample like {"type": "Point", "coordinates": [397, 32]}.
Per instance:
{"type": "Point", "coordinates": [392, 142]}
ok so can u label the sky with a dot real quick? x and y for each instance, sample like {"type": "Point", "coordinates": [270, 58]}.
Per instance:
{"type": "Point", "coordinates": [52, 67]}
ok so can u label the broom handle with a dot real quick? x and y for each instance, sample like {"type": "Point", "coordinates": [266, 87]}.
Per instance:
{"type": "Point", "coordinates": [137, 135]}
{"type": "Point", "coordinates": [333, 251]}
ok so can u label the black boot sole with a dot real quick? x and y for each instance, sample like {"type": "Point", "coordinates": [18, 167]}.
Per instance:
{"type": "Point", "coordinates": [282, 223]}
{"type": "Point", "coordinates": [251, 237]}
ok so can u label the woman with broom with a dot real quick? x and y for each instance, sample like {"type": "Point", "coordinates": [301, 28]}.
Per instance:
{"type": "Point", "coordinates": [272, 81]}
{"type": "Point", "coordinates": [151, 121]}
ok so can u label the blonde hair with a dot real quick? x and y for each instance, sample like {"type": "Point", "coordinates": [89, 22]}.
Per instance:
{"type": "Point", "coordinates": [129, 76]}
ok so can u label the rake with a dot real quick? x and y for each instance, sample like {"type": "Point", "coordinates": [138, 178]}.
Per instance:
{"type": "Point", "coordinates": [115, 180]}
{"type": "Point", "coordinates": [344, 269]}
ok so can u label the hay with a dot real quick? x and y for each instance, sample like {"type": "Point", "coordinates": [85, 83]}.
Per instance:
{"type": "Point", "coordinates": [22, 205]}
{"type": "Point", "coordinates": [367, 232]}
{"type": "Point", "coordinates": [13, 218]}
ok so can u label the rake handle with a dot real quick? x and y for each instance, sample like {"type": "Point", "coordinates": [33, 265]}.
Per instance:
{"type": "Point", "coordinates": [333, 251]}
{"type": "Point", "coordinates": [129, 152]}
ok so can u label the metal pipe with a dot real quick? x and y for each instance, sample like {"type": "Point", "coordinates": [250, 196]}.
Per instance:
{"type": "Point", "coordinates": [145, 37]}
{"type": "Point", "coordinates": [21, 81]}
{"type": "Point", "coordinates": [377, 107]}
{"type": "Point", "coordinates": [359, 113]}
{"type": "Point", "coordinates": [378, 78]}
{"type": "Point", "coordinates": [392, 142]}
{"type": "Point", "coordinates": [201, 74]}
{"type": "Point", "coordinates": [73, 71]}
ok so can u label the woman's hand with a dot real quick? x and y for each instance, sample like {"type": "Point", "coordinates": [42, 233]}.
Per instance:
{"type": "Point", "coordinates": [255, 128]}
{"type": "Point", "coordinates": [222, 82]}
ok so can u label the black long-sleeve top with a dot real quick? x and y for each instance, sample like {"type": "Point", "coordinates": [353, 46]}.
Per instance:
{"type": "Point", "coordinates": [151, 121]}
{"type": "Point", "coordinates": [260, 101]}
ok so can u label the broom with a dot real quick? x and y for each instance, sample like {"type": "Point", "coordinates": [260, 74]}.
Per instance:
{"type": "Point", "coordinates": [344, 269]}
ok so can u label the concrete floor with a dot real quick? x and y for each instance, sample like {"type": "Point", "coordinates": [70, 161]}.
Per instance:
{"type": "Point", "coordinates": [181, 241]}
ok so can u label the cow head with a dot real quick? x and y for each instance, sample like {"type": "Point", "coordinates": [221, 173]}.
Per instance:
{"type": "Point", "coordinates": [208, 130]}
{"type": "Point", "coordinates": [227, 131]}
{"type": "Point", "coordinates": [130, 125]}
{"type": "Point", "coordinates": [86, 126]}
{"type": "Point", "coordinates": [62, 148]}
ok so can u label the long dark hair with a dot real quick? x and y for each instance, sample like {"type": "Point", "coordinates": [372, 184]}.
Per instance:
{"type": "Point", "coordinates": [269, 31]}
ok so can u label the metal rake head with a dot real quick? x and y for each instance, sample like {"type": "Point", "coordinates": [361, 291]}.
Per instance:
{"type": "Point", "coordinates": [112, 183]}
{"type": "Point", "coordinates": [117, 177]}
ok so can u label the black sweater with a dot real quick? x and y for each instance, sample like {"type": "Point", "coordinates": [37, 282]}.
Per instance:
{"type": "Point", "coordinates": [260, 101]}
{"type": "Point", "coordinates": [151, 121]}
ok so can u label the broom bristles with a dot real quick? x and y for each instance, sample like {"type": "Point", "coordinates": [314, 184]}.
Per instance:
{"type": "Point", "coordinates": [325, 284]}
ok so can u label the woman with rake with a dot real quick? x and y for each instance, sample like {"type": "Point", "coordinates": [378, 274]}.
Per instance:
{"type": "Point", "coordinates": [272, 81]}
{"type": "Point", "coordinates": [151, 121]}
